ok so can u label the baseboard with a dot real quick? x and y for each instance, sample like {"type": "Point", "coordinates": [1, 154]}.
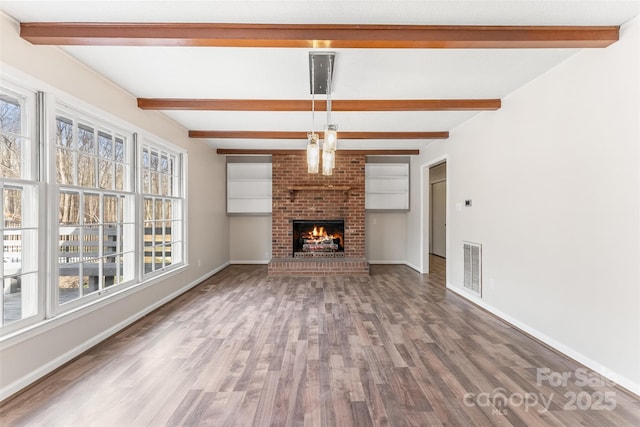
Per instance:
{"type": "Point", "coordinates": [610, 374]}
{"type": "Point", "coordinates": [415, 267]}
{"type": "Point", "coordinates": [37, 374]}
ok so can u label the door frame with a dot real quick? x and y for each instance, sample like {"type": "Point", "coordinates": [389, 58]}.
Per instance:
{"type": "Point", "coordinates": [425, 211]}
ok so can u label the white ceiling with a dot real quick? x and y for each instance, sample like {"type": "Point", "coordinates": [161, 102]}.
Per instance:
{"type": "Point", "coordinates": [282, 73]}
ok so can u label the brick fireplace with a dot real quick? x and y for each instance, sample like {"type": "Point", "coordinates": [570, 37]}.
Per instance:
{"type": "Point", "coordinates": [298, 195]}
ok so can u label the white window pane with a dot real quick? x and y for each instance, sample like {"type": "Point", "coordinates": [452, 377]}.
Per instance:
{"type": "Point", "coordinates": [120, 171]}
{"type": "Point", "coordinates": [146, 181]}
{"type": "Point", "coordinates": [69, 245]}
{"type": "Point", "coordinates": [119, 150]}
{"type": "Point", "coordinates": [10, 114]}
{"type": "Point", "coordinates": [86, 142]}
{"type": "Point", "coordinates": [128, 203]}
{"type": "Point", "coordinates": [86, 171]}
{"type": "Point", "coordinates": [155, 183]}
{"type": "Point", "coordinates": [149, 238]}
{"type": "Point", "coordinates": [69, 208]}
{"type": "Point", "coordinates": [11, 148]}
{"type": "Point", "coordinates": [91, 208]}
{"type": "Point", "coordinates": [164, 164]}
{"type": "Point", "coordinates": [105, 145]}
{"type": "Point", "coordinates": [176, 252]}
{"type": "Point", "coordinates": [127, 266]}
{"type": "Point", "coordinates": [110, 240]}
{"type": "Point", "coordinates": [110, 209]}
{"type": "Point", "coordinates": [91, 276]}
{"type": "Point", "coordinates": [12, 207]}
{"type": "Point", "coordinates": [64, 132]}
{"type": "Point", "coordinates": [168, 210]}
{"type": "Point", "coordinates": [105, 174]}
{"type": "Point", "coordinates": [12, 300]}
{"type": "Point", "coordinates": [29, 291]}
{"type": "Point", "coordinates": [171, 180]}
{"type": "Point", "coordinates": [164, 185]}
{"type": "Point", "coordinates": [148, 209]}
{"type": "Point", "coordinates": [65, 169]}
{"type": "Point", "coordinates": [127, 238]}
{"type": "Point", "coordinates": [12, 252]}
{"type": "Point", "coordinates": [90, 242]}
{"type": "Point", "coordinates": [154, 165]}
{"type": "Point", "coordinates": [109, 272]}
{"type": "Point", "coordinates": [158, 210]}
{"type": "Point", "coordinates": [68, 282]}
{"type": "Point", "coordinates": [20, 297]}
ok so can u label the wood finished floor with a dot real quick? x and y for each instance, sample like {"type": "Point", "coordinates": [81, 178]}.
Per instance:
{"type": "Point", "coordinates": [392, 349]}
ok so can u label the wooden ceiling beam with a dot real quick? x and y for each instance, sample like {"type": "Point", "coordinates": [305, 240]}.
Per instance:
{"type": "Point", "coordinates": [320, 105]}
{"type": "Point", "coordinates": [220, 134]}
{"type": "Point", "coordinates": [277, 151]}
{"type": "Point", "coordinates": [317, 36]}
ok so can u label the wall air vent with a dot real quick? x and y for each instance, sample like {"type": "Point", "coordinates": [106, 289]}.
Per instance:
{"type": "Point", "coordinates": [473, 267]}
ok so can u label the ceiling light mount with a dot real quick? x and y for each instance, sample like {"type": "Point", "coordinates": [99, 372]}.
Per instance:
{"type": "Point", "coordinates": [321, 66]}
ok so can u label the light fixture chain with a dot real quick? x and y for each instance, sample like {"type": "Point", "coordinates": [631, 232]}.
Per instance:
{"type": "Point", "coordinates": [329, 91]}
{"type": "Point", "coordinates": [313, 95]}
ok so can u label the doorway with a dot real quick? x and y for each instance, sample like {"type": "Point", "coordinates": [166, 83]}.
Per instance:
{"type": "Point", "coordinates": [438, 210]}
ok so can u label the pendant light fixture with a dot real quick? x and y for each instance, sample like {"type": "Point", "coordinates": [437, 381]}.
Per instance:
{"type": "Point", "coordinates": [330, 133]}
{"type": "Point", "coordinates": [321, 67]}
{"type": "Point", "coordinates": [313, 146]}
{"type": "Point", "coordinates": [313, 152]}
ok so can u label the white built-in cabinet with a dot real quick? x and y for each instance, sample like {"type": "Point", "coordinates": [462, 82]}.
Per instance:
{"type": "Point", "coordinates": [387, 183]}
{"type": "Point", "coordinates": [248, 185]}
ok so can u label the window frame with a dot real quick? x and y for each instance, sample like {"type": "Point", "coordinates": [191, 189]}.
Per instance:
{"type": "Point", "coordinates": [33, 179]}
{"type": "Point", "coordinates": [152, 143]}
{"type": "Point", "coordinates": [50, 314]}
{"type": "Point", "coordinates": [85, 116]}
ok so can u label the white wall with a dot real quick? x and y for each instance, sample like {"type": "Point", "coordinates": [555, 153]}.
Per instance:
{"type": "Point", "coordinates": [46, 347]}
{"type": "Point", "coordinates": [554, 179]}
{"type": "Point", "coordinates": [250, 239]}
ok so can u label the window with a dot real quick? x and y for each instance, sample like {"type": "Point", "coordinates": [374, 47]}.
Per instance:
{"type": "Point", "coordinates": [96, 207]}
{"type": "Point", "coordinates": [19, 189]}
{"type": "Point", "coordinates": [87, 211]}
{"type": "Point", "coordinates": [162, 208]}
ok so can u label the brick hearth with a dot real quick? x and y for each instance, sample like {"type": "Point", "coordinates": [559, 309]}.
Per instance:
{"type": "Point", "coordinates": [290, 170]}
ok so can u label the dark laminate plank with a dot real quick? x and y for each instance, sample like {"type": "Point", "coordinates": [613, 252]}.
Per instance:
{"type": "Point", "coordinates": [241, 349]}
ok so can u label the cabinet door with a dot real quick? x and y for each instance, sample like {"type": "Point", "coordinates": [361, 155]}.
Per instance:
{"type": "Point", "coordinates": [387, 186]}
{"type": "Point", "coordinates": [248, 188]}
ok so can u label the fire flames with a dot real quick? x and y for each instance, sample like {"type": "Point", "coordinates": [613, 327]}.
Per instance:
{"type": "Point", "coordinates": [318, 239]}
{"type": "Point", "coordinates": [319, 232]}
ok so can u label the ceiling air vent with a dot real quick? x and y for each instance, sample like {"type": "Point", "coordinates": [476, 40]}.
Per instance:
{"type": "Point", "coordinates": [473, 267]}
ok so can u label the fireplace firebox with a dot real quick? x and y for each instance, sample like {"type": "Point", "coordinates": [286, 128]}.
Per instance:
{"type": "Point", "coordinates": [321, 238]}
